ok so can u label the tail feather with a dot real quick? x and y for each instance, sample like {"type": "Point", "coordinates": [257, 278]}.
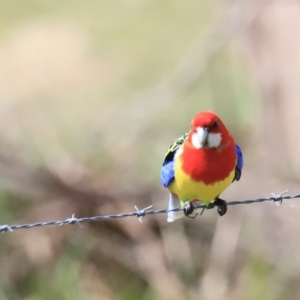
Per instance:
{"type": "Point", "coordinates": [174, 202]}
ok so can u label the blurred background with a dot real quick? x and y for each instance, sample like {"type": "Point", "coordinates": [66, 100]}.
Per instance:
{"type": "Point", "coordinates": [92, 93]}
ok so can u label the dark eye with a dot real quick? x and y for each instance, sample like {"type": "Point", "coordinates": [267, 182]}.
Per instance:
{"type": "Point", "coordinates": [214, 125]}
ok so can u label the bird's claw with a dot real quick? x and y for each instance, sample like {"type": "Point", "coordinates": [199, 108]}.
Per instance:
{"type": "Point", "coordinates": [221, 204]}
{"type": "Point", "coordinates": [188, 209]}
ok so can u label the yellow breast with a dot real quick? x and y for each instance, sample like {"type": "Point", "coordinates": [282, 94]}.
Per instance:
{"type": "Point", "coordinates": [187, 189]}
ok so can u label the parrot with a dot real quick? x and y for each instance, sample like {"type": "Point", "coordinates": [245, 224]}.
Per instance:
{"type": "Point", "coordinates": [200, 165]}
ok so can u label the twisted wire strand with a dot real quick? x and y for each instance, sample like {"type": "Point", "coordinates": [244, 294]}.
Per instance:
{"type": "Point", "coordinates": [277, 198]}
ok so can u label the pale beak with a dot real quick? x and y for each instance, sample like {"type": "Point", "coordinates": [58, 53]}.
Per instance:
{"type": "Point", "coordinates": [202, 133]}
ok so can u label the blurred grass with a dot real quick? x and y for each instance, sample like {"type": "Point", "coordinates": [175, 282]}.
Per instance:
{"type": "Point", "coordinates": [258, 275]}
{"type": "Point", "coordinates": [139, 44]}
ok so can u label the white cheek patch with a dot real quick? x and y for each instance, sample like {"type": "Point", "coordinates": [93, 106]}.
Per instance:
{"type": "Point", "coordinates": [203, 139]}
{"type": "Point", "coordinates": [179, 152]}
{"type": "Point", "coordinates": [214, 140]}
{"type": "Point", "coordinates": [196, 141]}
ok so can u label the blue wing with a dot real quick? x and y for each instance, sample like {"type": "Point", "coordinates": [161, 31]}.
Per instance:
{"type": "Point", "coordinates": [167, 173]}
{"type": "Point", "coordinates": [167, 169]}
{"type": "Point", "coordinates": [239, 163]}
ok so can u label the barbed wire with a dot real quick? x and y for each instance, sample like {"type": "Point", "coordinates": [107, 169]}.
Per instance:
{"type": "Point", "coordinates": [277, 198]}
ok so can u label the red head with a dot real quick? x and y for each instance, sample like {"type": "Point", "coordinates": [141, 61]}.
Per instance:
{"type": "Point", "coordinates": [208, 131]}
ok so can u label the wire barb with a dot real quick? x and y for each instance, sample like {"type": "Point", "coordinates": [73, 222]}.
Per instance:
{"type": "Point", "coordinates": [278, 197]}
{"type": "Point", "coordinates": [140, 214]}
{"type": "Point", "coordinates": [4, 228]}
{"type": "Point", "coordinates": [72, 220]}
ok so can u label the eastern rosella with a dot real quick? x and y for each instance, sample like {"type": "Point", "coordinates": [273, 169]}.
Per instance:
{"type": "Point", "coordinates": [200, 165]}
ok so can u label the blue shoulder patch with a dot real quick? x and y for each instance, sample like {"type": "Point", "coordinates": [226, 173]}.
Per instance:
{"type": "Point", "coordinates": [239, 163]}
{"type": "Point", "coordinates": [167, 170]}
{"type": "Point", "coordinates": [167, 173]}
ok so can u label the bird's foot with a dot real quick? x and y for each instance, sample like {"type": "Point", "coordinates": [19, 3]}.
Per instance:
{"type": "Point", "coordinates": [188, 209]}
{"type": "Point", "coordinates": [221, 204]}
